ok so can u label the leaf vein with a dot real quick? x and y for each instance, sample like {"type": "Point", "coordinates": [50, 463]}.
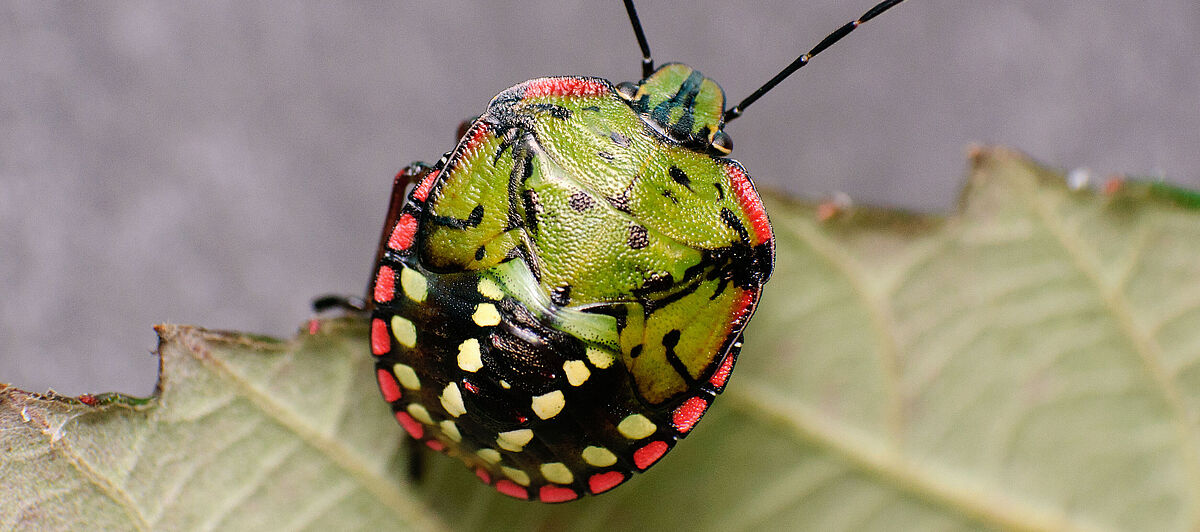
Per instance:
{"type": "Point", "coordinates": [396, 498]}
{"type": "Point", "coordinates": [976, 502]}
{"type": "Point", "coordinates": [1144, 345]}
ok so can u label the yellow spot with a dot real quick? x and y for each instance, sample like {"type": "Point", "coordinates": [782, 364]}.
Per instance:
{"type": "Point", "coordinates": [636, 427]}
{"type": "Point", "coordinates": [599, 456]}
{"type": "Point", "coordinates": [468, 356]}
{"type": "Point", "coordinates": [490, 290]}
{"type": "Point", "coordinates": [577, 372]}
{"type": "Point", "coordinates": [451, 431]}
{"type": "Point", "coordinates": [419, 413]}
{"type": "Point", "coordinates": [557, 473]}
{"type": "Point", "coordinates": [404, 331]}
{"type": "Point", "coordinates": [452, 400]}
{"type": "Point", "coordinates": [518, 476]}
{"type": "Point", "coordinates": [504, 384]}
{"type": "Point", "coordinates": [490, 456]}
{"type": "Point", "coordinates": [514, 440]}
{"type": "Point", "coordinates": [599, 357]}
{"type": "Point", "coordinates": [407, 376]}
{"type": "Point", "coordinates": [485, 315]}
{"type": "Point", "coordinates": [549, 405]}
{"type": "Point", "coordinates": [414, 284]}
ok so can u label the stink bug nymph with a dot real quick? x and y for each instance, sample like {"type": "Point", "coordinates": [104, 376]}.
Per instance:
{"type": "Point", "coordinates": [558, 300]}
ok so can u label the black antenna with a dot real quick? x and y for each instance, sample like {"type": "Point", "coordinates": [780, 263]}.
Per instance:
{"type": "Point", "coordinates": [647, 62]}
{"type": "Point", "coordinates": [828, 41]}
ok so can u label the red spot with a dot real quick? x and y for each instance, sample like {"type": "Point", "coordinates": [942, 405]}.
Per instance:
{"type": "Point", "coordinates": [602, 482]}
{"type": "Point", "coordinates": [688, 413]}
{"type": "Point", "coordinates": [387, 385]}
{"type": "Point", "coordinates": [512, 489]}
{"type": "Point", "coordinates": [646, 456]}
{"type": "Point", "coordinates": [718, 379]}
{"type": "Point", "coordinates": [87, 399]}
{"type": "Point", "coordinates": [565, 86]}
{"type": "Point", "coordinates": [404, 233]}
{"type": "Point", "coordinates": [470, 387]}
{"type": "Point", "coordinates": [521, 419]}
{"type": "Point", "coordinates": [412, 426]}
{"type": "Point", "coordinates": [385, 284]}
{"type": "Point", "coordinates": [478, 136]}
{"type": "Point", "coordinates": [314, 326]}
{"type": "Point", "coordinates": [381, 342]}
{"type": "Point", "coordinates": [483, 475]}
{"type": "Point", "coordinates": [421, 192]}
{"type": "Point", "coordinates": [557, 494]}
{"type": "Point", "coordinates": [435, 445]}
{"type": "Point", "coordinates": [751, 204]}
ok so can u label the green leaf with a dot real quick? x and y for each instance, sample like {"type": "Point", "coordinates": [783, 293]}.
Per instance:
{"type": "Point", "coordinates": [1030, 363]}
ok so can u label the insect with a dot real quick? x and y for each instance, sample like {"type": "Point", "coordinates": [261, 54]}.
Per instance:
{"type": "Point", "coordinates": [559, 299]}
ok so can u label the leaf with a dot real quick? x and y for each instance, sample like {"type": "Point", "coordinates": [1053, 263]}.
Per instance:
{"type": "Point", "coordinates": [1031, 363]}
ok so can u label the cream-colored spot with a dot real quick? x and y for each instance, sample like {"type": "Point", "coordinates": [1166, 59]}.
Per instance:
{"type": "Point", "coordinates": [489, 289]}
{"type": "Point", "coordinates": [414, 284]}
{"type": "Point", "coordinates": [407, 376]}
{"type": "Point", "coordinates": [557, 473]}
{"type": "Point", "coordinates": [490, 456]}
{"type": "Point", "coordinates": [486, 315]}
{"type": "Point", "coordinates": [636, 427]}
{"type": "Point", "coordinates": [518, 476]}
{"type": "Point", "coordinates": [514, 440]}
{"type": "Point", "coordinates": [549, 405]}
{"type": "Point", "coordinates": [451, 431]}
{"type": "Point", "coordinates": [577, 372]}
{"type": "Point", "coordinates": [468, 356]}
{"type": "Point", "coordinates": [419, 413]}
{"type": "Point", "coordinates": [504, 384]}
{"type": "Point", "coordinates": [452, 400]}
{"type": "Point", "coordinates": [599, 456]}
{"type": "Point", "coordinates": [404, 331]}
{"type": "Point", "coordinates": [599, 357]}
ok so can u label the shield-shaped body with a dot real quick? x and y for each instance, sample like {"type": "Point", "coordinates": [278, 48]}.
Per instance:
{"type": "Point", "coordinates": [562, 296]}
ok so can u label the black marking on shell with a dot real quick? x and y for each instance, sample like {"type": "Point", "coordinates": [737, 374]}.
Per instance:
{"type": "Point", "coordinates": [555, 111]}
{"type": "Point", "coordinates": [669, 341]}
{"type": "Point", "coordinates": [720, 191]}
{"type": "Point", "coordinates": [636, 351]}
{"type": "Point", "coordinates": [638, 236]}
{"type": "Point", "coordinates": [480, 252]}
{"type": "Point", "coordinates": [652, 304]}
{"type": "Point", "coordinates": [620, 203]}
{"type": "Point", "coordinates": [522, 170]}
{"type": "Point", "coordinates": [472, 220]}
{"type": "Point", "coordinates": [605, 155]}
{"type": "Point", "coordinates": [681, 177]}
{"type": "Point", "coordinates": [533, 209]}
{"type": "Point", "coordinates": [581, 201]}
{"type": "Point", "coordinates": [732, 221]}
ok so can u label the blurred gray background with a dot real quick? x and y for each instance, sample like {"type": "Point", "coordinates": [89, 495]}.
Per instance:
{"type": "Point", "coordinates": [220, 163]}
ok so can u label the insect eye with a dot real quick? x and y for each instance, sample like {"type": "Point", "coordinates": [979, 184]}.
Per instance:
{"type": "Point", "coordinates": [627, 89]}
{"type": "Point", "coordinates": [722, 143]}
